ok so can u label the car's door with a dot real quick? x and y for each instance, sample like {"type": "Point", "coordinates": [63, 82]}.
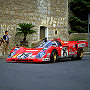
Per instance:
{"type": "Point", "coordinates": [59, 47]}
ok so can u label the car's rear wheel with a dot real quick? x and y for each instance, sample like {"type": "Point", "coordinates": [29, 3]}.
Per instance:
{"type": "Point", "coordinates": [79, 54]}
{"type": "Point", "coordinates": [53, 56]}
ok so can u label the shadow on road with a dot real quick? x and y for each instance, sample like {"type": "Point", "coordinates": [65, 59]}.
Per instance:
{"type": "Point", "coordinates": [60, 60]}
{"type": "Point", "coordinates": [85, 58]}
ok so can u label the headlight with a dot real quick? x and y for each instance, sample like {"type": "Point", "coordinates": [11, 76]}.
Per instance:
{"type": "Point", "coordinates": [11, 54]}
{"type": "Point", "coordinates": [44, 49]}
{"type": "Point", "coordinates": [48, 54]}
{"type": "Point", "coordinates": [40, 54]}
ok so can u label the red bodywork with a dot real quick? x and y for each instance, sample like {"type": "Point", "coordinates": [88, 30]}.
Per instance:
{"type": "Point", "coordinates": [42, 53]}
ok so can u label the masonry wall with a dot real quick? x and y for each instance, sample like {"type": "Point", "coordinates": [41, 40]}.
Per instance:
{"type": "Point", "coordinates": [52, 14]}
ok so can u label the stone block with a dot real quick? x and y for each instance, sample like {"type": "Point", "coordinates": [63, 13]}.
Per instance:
{"type": "Point", "coordinates": [52, 14]}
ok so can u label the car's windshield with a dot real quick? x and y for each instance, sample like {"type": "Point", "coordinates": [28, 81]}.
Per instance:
{"type": "Point", "coordinates": [46, 44]}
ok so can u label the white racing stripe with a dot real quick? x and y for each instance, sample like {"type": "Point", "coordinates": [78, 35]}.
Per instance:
{"type": "Point", "coordinates": [31, 50]}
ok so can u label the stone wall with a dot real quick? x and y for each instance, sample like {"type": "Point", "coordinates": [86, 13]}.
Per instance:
{"type": "Point", "coordinates": [80, 36]}
{"type": "Point", "coordinates": [52, 14]}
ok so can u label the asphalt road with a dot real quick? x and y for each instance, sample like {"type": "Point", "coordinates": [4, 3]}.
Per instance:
{"type": "Point", "coordinates": [62, 75]}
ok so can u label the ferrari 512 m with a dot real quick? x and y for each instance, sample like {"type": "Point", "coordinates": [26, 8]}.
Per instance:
{"type": "Point", "coordinates": [48, 51]}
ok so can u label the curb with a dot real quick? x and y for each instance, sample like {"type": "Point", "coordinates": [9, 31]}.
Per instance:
{"type": "Point", "coordinates": [86, 53]}
{"type": "Point", "coordinates": [3, 57]}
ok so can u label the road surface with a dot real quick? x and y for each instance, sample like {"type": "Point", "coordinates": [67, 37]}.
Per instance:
{"type": "Point", "coordinates": [62, 75]}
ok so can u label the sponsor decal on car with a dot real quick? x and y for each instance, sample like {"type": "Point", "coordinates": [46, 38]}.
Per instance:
{"type": "Point", "coordinates": [71, 52]}
{"type": "Point", "coordinates": [15, 56]}
{"type": "Point", "coordinates": [46, 59]}
{"type": "Point", "coordinates": [31, 50]}
{"type": "Point", "coordinates": [82, 45]}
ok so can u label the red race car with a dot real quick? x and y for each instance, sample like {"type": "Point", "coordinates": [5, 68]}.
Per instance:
{"type": "Point", "coordinates": [48, 51]}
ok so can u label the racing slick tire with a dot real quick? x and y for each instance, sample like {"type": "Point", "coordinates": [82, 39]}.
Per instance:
{"type": "Point", "coordinates": [79, 54]}
{"type": "Point", "coordinates": [53, 56]}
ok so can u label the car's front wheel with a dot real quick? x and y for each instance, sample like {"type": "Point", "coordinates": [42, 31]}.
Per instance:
{"type": "Point", "coordinates": [53, 56]}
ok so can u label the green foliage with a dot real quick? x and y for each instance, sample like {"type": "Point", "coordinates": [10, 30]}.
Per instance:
{"type": "Point", "coordinates": [25, 29]}
{"type": "Point", "coordinates": [32, 45]}
{"type": "Point", "coordinates": [71, 31]}
{"type": "Point", "coordinates": [25, 46]}
{"type": "Point", "coordinates": [79, 17]}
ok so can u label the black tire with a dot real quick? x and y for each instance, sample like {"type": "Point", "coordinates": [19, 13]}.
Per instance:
{"type": "Point", "coordinates": [53, 56]}
{"type": "Point", "coordinates": [79, 55]}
